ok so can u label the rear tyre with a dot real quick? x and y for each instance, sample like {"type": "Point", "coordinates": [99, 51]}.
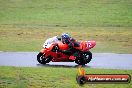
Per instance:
{"type": "Point", "coordinates": [88, 56]}
{"type": "Point", "coordinates": [42, 60]}
{"type": "Point", "coordinates": [84, 58]}
{"type": "Point", "coordinates": [79, 61]}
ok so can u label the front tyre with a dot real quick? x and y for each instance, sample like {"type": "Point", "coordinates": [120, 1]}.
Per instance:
{"type": "Point", "coordinates": [42, 60]}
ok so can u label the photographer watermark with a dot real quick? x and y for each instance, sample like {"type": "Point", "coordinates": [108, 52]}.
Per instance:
{"type": "Point", "coordinates": [83, 78]}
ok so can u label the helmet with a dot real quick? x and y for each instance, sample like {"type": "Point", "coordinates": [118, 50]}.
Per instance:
{"type": "Point", "coordinates": [65, 38]}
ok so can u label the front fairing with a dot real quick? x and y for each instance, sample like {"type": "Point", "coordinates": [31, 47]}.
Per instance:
{"type": "Point", "coordinates": [50, 41]}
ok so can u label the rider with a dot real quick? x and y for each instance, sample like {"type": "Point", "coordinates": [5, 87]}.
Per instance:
{"type": "Point", "coordinates": [66, 39]}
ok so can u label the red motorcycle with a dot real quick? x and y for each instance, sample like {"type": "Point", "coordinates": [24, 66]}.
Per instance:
{"type": "Point", "coordinates": [52, 52]}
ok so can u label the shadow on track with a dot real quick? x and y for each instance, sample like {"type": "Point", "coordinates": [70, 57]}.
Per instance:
{"type": "Point", "coordinates": [65, 66]}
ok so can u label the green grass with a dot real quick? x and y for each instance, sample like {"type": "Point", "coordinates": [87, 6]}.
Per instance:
{"type": "Point", "coordinates": [24, 25]}
{"type": "Point", "coordinates": [52, 77]}
{"type": "Point", "coordinates": [87, 13]}
{"type": "Point", "coordinates": [109, 39]}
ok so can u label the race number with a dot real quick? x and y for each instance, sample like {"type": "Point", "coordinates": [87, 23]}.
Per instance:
{"type": "Point", "coordinates": [89, 44]}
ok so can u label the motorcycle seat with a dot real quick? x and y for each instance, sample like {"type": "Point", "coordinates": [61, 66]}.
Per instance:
{"type": "Point", "coordinates": [77, 44]}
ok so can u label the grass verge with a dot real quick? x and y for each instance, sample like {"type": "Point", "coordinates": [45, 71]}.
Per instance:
{"type": "Point", "coordinates": [75, 13]}
{"type": "Point", "coordinates": [52, 77]}
{"type": "Point", "coordinates": [109, 39]}
{"type": "Point", "coordinates": [24, 25]}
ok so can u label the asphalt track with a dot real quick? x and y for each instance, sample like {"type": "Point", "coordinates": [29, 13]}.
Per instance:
{"type": "Point", "coordinates": [100, 60]}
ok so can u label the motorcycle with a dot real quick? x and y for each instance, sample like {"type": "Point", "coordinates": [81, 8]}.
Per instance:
{"type": "Point", "coordinates": [52, 52]}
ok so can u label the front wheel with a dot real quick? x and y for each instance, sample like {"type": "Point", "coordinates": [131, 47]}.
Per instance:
{"type": "Point", "coordinates": [42, 60]}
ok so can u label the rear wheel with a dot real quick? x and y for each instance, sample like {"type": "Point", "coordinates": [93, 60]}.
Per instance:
{"type": "Point", "coordinates": [42, 60]}
{"type": "Point", "coordinates": [79, 61]}
{"type": "Point", "coordinates": [88, 56]}
{"type": "Point", "coordinates": [84, 58]}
